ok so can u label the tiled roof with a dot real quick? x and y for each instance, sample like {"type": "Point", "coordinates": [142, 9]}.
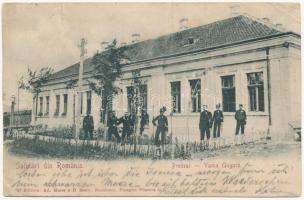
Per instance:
{"type": "Point", "coordinates": [223, 32]}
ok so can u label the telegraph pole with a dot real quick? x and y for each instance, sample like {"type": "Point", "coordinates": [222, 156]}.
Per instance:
{"type": "Point", "coordinates": [83, 51]}
{"type": "Point", "coordinates": [13, 100]}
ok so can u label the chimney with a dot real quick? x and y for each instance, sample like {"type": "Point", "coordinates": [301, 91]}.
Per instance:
{"type": "Point", "coordinates": [234, 10]}
{"type": "Point", "coordinates": [266, 19]}
{"type": "Point", "coordinates": [280, 27]}
{"type": "Point", "coordinates": [245, 13]}
{"type": "Point", "coordinates": [183, 24]}
{"type": "Point", "coordinates": [103, 45]}
{"type": "Point", "coordinates": [135, 37]}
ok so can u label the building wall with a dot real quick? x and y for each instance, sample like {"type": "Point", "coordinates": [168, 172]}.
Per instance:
{"type": "Point", "coordinates": [285, 73]}
{"type": "Point", "coordinates": [52, 120]}
{"type": "Point", "coordinates": [185, 124]}
{"type": "Point", "coordinates": [209, 67]}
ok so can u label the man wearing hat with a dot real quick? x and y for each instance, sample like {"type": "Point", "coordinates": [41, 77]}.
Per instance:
{"type": "Point", "coordinates": [205, 124]}
{"type": "Point", "coordinates": [217, 119]}
{"type": "Point", "coordinates": [88, 126]}
{"type": "Point", "coordinates": [112, 124]}
{"type": "Point", "coordinates": [127, 124]}
{"type": "Point", "coordinates": [162, 127]}
{"type": "Point", "coordinates": [144, 120]}
{"type": "Point", "coordinates": [240, 117]}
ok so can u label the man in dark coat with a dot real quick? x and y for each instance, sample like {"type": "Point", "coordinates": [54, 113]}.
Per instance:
{"type": "Point", "coordinates": [127, 126]}
{"type": "Point", "coordinates": [205, 124]}
{"type": "Point", "coordinates": [88, 126]}
{"type": "Point", "coordinates": [240, 117]}
{"type": "Point", "coordinates": [144, 120]}
{"type": "Point", "coordinates": [112, 124]}
{"type": "Point", "coordinates": [217, 119]}
{"type": "Point", "coordinates": [162, 127]}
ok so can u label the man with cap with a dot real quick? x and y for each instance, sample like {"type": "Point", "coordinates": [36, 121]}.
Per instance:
{"type": "Point", "coordinates": [205, 124]}
{"type": "Point", "coordinates": [88, 126]}
{"type": "Point", "coordinates": [127, 125]}
{"type": "Point", "coordinates": [112, 124]}
{"type": "Point", "coordinates": [217, 119]}
{"type": "Point", "coordinates": [162, 127]}
{"type": "Point", "coordinates": [144, 120]}
{"type": "Point", "coordinates": [240, 117]}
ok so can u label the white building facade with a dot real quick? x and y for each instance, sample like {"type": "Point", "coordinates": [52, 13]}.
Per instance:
{"type": "Point", "coordinates": [223, 62]}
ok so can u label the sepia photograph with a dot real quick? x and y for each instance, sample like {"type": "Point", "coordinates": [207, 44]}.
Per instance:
{"type": "Point", "coordinates": [152, 99]}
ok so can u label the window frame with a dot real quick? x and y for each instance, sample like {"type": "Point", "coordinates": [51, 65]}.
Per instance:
{"type": "Point", "coordinates": [173, 94]}
{"type": "Point", "coordinates": [65, 104]}
{"type": "Point", "coordinates": [57, 107]}
{"type": "Point", "coordinates": [256, 87]}
{"type": "Point", "coordinates": [228, 88]}
{"type": "Point", "coordinates": [199, 96]}
{"type": "Point", "coordinates": [47, 103]}
{"type": "Point", "coordinates": [145, 98]}
{"type": "Point", "coordinates": [81, 103]}
{"type": "Point", "coordinates": [89, 102]}
{"type": "Point", "coordinates": [40, 113]}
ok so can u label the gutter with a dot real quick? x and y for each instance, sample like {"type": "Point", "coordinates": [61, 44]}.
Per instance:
{"type": "Point", "coordinates": [268, 86]}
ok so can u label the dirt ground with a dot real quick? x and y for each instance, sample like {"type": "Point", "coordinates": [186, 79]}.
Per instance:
{"type": "Point", "coordinates": [262, 149]}
{"type": "Point", "coordinates": [266, 149]}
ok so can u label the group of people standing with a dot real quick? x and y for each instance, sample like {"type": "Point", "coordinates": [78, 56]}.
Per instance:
{"type": "Point", "coordinates": [206, 122]}
{"type": "Point", "coordinates": [128, 122]}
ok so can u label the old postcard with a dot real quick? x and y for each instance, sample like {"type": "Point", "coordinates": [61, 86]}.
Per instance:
{"type": "Point", "coordinates": [142, 99]}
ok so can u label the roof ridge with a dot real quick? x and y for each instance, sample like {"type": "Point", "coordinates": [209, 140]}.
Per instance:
{"type": "Point", "coordinates": [250, 17]}
{"type": "Point", "coordinates": [268, 24]}
{"type": "Point", "coordinates": [181, 31]}
{"type": "Point", "coordinates": [73, 65]}
{"type": "Point", "coordinates": [217, 33]}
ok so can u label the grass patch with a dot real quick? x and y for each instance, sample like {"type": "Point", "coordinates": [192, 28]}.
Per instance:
{"type": "Point", "coordinates": [62, 148]}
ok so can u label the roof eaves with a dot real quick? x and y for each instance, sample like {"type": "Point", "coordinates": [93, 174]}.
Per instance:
{"type": "Point", "coordinates": [214, 47]}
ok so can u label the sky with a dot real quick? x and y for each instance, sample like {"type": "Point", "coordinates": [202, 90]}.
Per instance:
{"type": "Point", "coordinates": [47, 35]}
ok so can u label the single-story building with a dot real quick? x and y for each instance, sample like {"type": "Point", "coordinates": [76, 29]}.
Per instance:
{"type": "Point", "coordinates": [238, 60]}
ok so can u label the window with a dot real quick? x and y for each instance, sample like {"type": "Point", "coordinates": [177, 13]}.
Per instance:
{"type": "Point", "coordinates": [81, 102]}
{"type": "Point", "coordinates": [41, 106]}
{"type": "Point", "coordinates": [176, 96]}
{"type": "Point", "coordinates": [89, 102]}
{"type": "Point", "coordinates": [228, 93]}
{"type": "Point", "coordinates": [130, 94]}
{"type": "Point", "coordinates": [109, 102]}
{"type": "Point", "coordinates": [65, 105]}
{"type": "Point", "coordinates": [256, 91]}
{"type": "Point", "coordinates": [57, 105]}
{"type": "Point", "coordinates": [190, 40]}
{"type": "Point", "coordinates": [103, 107]}
{"type": "Point", "coordinates": [47, 109]}
{"type": "Point", "coordinates": [195, 86]}
{"type": "Point", "coordinates": [137, 98]}
{"type": "Point", "coordinates": [143, 97]}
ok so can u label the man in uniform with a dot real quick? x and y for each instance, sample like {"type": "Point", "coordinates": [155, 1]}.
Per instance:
{"type": "Point", "coordinates": [88, 126]}
{"type": "Point", "coordinates": [205, 124]}
{"type": "Point", "coordinates": [144, 120]}
{"type": "Point", "coordinates": [240, 117]}
{"type": "Point", "coordinates": [162, 127]}
{"type": "Point", "coordinates": [112, 124]}
{"type": "Point", "coordinates": [127, 126]}
{"type": "Point", "coordinates": [217, 119]}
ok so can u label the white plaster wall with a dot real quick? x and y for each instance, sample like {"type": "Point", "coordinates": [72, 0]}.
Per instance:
{"type": "Point", "coordinates": [285, 89]}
